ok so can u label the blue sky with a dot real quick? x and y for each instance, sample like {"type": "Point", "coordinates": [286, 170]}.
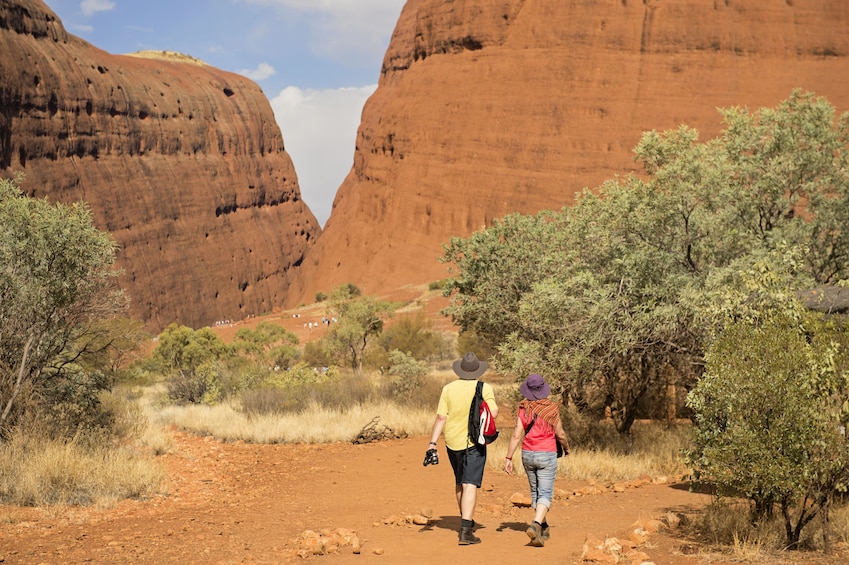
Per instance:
{"type": "Point", "coordinates": [316, 60]}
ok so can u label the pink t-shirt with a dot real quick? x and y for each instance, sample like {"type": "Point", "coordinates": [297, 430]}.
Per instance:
{"type": "Point", "coordinates": [541, 435]}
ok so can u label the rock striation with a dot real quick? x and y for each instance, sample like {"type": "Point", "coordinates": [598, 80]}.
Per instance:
{"type": "Point", "coordinates": [182, 163]}
{"type": "Point", "coordinates": [490, 107]}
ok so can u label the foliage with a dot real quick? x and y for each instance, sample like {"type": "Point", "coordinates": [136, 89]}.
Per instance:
{"type": "Point", "coordinates": [268, 345]}
{"type": "Point", "coordinates": [57, 285]}
{"type": "Point", "coordinates": [494, 268]}
{"type": "Point", "coordinates": [301, 374]}
{"type": "Point", "coordinates": [121, 346]}
{"type": "Point", "coordinates": [772, 408]}
{"type": "Point", "coordinates": [415, 335]}
{"type": "Point", "coordinates": [295, 390]}
{"type": "Point", "coordinates": [193, 361]}
{"type": "Point", "coordinates": [406, 366]}
{"type": "Point", "coordinates": [469, 340]}
{"type": "Point", "coordinates": [608, 298]}
{"type": "Point", "coordinates": [317, 354]}
{"type": "Point", "coordinates": [359, 319]}
{"type": "Point", "coordinates": [37, 471]}
{"type": "Point", "coordinates": [407, 374]}
{"type": "Point", "coordinates": [437, 285]}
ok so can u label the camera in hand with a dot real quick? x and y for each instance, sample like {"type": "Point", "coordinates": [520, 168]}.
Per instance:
{"type": "Point", "coordinates": [431, 458]}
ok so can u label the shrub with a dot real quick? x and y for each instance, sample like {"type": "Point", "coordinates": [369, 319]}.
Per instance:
{"type": "Point", "coordinates": [587, 431]}
{"type": "Point", "coordinates": [771, 413]}
{"type": "Point", "coordinates": [416, 336]}
{"type": "Point", "coordinates": [317, 354]}
{"type": "Point", "coordinates": [469, 340]}
{"type": "Point", "coordinates": [406, 375]}
{"type": "Point", "coordinates": [437, 285]}
{"type": "Point", "coordinates": [193, 361]}
{"type": "Point", "coordinates": [57, 284]}
{"type": "Point", "coordinates": [201, 386]}
{"type": "Point", "coordinates": [296, 390]}
{"type": "Point", "coordinates": [268, 345]}
{"type": "Point", "coordinates": [36, 471]}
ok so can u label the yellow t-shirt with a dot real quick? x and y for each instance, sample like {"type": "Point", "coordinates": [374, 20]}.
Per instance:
{"type": "Point", "coordinates": [454, 404]}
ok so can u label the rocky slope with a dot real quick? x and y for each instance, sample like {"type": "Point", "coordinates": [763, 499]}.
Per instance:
{"type": "Point", "coordinates": [184, 164]}
{"type": "Point", "coordinates": [489, 107]}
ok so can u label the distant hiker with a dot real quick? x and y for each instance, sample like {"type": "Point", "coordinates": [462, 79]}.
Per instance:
{"type": "Point", "coordinates": [467, 459]}
{"type": "Point", "coordinates": [545, 440]}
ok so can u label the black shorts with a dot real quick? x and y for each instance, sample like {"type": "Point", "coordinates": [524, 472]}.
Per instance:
{"type": "Point", "coordinates": [468, 465]}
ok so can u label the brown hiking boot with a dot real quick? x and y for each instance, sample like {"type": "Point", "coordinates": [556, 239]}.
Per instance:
{"type": "Point", "coordinates": [534, 532]}
{"type": "Point", "coordinates": [544, 533]}
{"type": "Point", "coordinates": [467, 537]}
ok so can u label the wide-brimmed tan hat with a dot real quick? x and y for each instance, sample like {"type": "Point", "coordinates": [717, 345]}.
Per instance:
{"type": "Point", "coordinates": [469, 367]}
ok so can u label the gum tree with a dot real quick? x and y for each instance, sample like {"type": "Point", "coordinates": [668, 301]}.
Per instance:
{"type": "Point", "coordinates": [772, 408]}
{"type": "Point", "coordinates": [359, 319]}
{"type": "Point", "coordinates": [57, 282]}
{"type": "Point", "coordinates": [601, 296]}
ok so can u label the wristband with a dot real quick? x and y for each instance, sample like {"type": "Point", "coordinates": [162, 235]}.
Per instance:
{"type": "Point", "coordinates": [508, 458]}
{"type": "Point", "coordinates": [432, 443]}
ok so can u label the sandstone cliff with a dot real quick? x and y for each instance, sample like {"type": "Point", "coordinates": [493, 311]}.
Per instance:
{"type": "Point", "coordinates": [488, 107]}
{"type": "Point", "coordinates": [184, 164]}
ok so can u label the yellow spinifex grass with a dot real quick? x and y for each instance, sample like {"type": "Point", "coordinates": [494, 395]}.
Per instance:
{"type": "Point", "coordinates": [656, 452]}
{"type": "Point", "coordinates": [316, 424]}
{"type": "Point", "coordinates": [39, 472]}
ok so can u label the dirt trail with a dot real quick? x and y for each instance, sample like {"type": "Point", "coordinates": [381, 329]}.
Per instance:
{"type": "Point", "coordinates": [240, 503]}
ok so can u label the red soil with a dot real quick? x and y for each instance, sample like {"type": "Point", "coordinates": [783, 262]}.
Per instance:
{"type": "Point", "coordinates": [241, 503]}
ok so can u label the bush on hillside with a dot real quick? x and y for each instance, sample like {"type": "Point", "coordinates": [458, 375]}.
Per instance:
{"type": "Point", "coordinates": [416, 336]}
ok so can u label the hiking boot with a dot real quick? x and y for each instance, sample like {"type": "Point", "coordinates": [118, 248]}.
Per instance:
{"type": "Point", "coordinates": [467, 537]}
{"type": "Point", "coordinates": [534, 532]}
{"type": "Point", "coordinates": [544, 533]}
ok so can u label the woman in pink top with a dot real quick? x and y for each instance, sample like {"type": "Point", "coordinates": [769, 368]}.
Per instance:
{"type": "Point", "coordinates": [539, 419]}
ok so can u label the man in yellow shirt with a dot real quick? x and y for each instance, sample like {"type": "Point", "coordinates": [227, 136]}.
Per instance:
{"type": "Point", "coordinates": [467, 458]}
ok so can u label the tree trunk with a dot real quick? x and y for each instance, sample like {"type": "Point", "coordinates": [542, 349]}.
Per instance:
{"type": "Point", "coordinates": [19, 381]}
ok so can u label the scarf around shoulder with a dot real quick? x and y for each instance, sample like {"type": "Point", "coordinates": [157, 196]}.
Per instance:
{"type": "Point", "coordinates": [545, 409]}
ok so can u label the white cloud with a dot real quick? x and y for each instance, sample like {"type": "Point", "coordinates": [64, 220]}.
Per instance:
{"type": "Point", "coordinates": [263, 71]}
{"type": "Point", "coordinates": [345, 29]}
{"type": "Point", "coordinates": [320, 133]}
{"type": "Point", "coordinates": [81, 28]}
{"type": "Point", "coordinates": [89, 7]}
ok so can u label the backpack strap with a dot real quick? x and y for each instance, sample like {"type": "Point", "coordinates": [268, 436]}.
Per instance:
{"type": "Point", "coordinates": [531, 425]}
{"type": "Point", "coordinates": [474, 413]}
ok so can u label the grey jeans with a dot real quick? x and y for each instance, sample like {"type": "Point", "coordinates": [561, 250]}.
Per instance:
{"type": "Point", "coordinates": [541, 467]}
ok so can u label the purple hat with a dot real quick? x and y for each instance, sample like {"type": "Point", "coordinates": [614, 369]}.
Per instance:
{"type": "Point", "coordinates": [469, 367]}
{"type": "Point", "coordinates": [535, 387]}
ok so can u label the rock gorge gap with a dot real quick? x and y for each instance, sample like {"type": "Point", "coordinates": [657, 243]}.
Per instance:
{"type": "Point", "coordinates": [182, 163]}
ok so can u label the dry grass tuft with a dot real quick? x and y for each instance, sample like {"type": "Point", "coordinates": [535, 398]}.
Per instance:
{"type": "Point", "coordinates": [315, 425]}
{"type": "Point", "coordinates": [655, 451]}
{"type": "Point", "coordinates": [725, 528]}
{"type": "Point", "coordinates": [42, 472]}
{"type": "Point", "coordinates": [166, 55]}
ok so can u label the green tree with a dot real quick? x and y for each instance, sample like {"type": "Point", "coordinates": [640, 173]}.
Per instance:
{"type": "Point", "coordinates": [57, 282]}
{"type": "Point", "coordinates": [416, 336]}
{"type": "Point", "coordinates": [772, 408]}
{"type": "Point", "coordinates": [193, 361]}
{"type": "Point", "coordinates": [406, 374]}
{"type": "Point", "coordinates": [358, 320]}
{"type": "Point", "coordinates": [268, 345]}
{"type": "Point", "coordinates": [495, 267]}
{"type": "Point", "coordinates": [602, 296]}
